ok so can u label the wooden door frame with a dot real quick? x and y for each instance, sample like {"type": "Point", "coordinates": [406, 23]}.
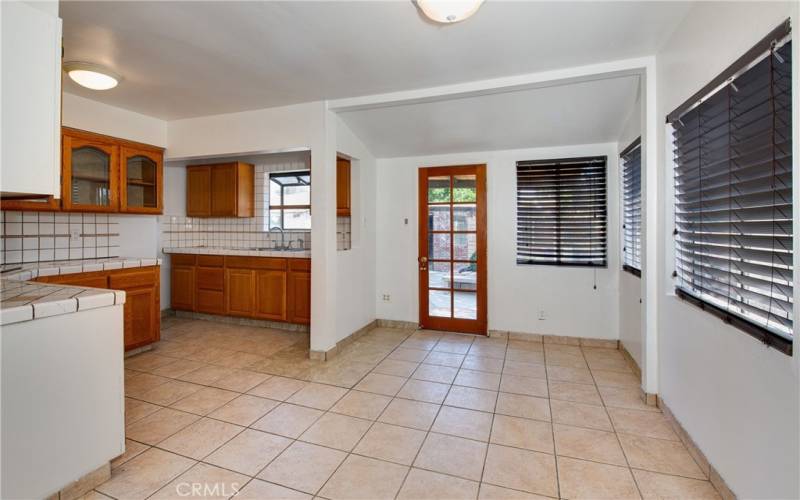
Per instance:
{"type": "Point", "coordinates": [479, 325]}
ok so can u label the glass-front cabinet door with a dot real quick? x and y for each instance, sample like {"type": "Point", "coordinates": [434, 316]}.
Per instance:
{"type": "Point", "coordinates": [90, 175]}
{"type": "Point", "coordinates": [141, 175]}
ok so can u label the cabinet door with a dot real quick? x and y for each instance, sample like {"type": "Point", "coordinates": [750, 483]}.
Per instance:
{"type": "Point", "coordinates": [223, 190]}
{"type": "Point", "coordinates": [300, 297]}
{"type": "Point", "coordinates": [342, 187]}
{"type": "Point", "coordinates": [90, 180]}
{"type": "Point", "coordinates": [240, 292]}
{"type": "Point", "coordinates": [182, 288]}
{"type": "Point", "coordinates": [198, 191]}
{"type": "Point", "coordinates": [271, 295]}
{"type": "Point", "coordinates": [142, 181]}
{"type": "Point", "coordinates": [140, 317]}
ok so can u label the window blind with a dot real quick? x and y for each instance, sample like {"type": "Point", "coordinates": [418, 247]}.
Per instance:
{"type": "Point", "coordinates": [631, 159]}
{"type": "Point", "coordinates": [562, 212]}
{"type": "Point", "coordinates": [733, 198]}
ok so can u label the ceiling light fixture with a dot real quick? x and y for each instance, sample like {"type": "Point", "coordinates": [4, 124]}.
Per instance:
{"type": "Point", "coordinates": [91, 76]}
{"type": "Point", "coordinates": [449, 11]}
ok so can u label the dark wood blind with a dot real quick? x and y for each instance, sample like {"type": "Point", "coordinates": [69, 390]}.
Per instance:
{"type": "Point", "coordinates": [562, 212]}
{"type": "Point", "coordinates": [632, 208]}
{"type": "Point", "coordinates": [733, 198]}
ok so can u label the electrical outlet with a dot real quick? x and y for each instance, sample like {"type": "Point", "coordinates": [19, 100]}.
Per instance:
{"type": "Point", "coordinates": [542, 316]}
{"type": "Point", "coordinates": [387, 297]}
{"type": "Point", "coordinates": [75, 234]}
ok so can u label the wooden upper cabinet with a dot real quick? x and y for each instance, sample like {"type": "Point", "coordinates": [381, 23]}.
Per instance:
{"type": "Point", "coordinates": [90, 174]}
{"type": "Point", "coordinates": [221, 190]}
{"type": "Point", "coordinates": [342, 186]}
{"type": "Point", "coordinates": [142, 176]}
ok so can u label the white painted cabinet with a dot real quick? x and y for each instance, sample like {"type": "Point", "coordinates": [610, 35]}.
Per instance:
{"type": "Point", "coordinates": [30, 151]}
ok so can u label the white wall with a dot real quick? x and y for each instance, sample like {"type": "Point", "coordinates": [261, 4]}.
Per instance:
{"type": "Point", "coordinates": [736, 398]}
{"type": "Point", "coordinates": [516, 293]}
{"type": "Point", "coordinates": [85, 114]}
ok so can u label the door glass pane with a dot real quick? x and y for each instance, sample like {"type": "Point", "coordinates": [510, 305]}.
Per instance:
{"type": "Point", "coordinates": [438, 246]}
{"type": "Point", "coordinates": [464, 218]}
{"type": "Point", "coordinates": [439, 218]}
{"type": "Point", "coordinates": [465, 276]}
{"type": "Point", "coordinates": [141, 181]}
{"type": "Point", "coordinates": [439, 275]}
{"type": "Point", "coordinates": [466, 305]}
{"type": "Point", "coordinates": [90, 176]}
{"type": "Point", "coordinates": [465, 246]}
{"type": "Point", "coordinates": [464, 188]}
{"type": "Point", "coordinates": [439, 303]}
{"type": "Point", "coordinates": [439, 189]}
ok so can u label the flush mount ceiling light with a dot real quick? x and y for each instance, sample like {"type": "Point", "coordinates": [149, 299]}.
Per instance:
{"type": "Point", "coordinates": [91, 76]}
{"type": "Point", "coordinates": [448, 11]}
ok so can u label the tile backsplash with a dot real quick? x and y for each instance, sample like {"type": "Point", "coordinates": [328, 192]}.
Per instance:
{"type": "Point", "coordinates": [225, 232]}
{"type": "Point", "coordinates": [46, 236]}
{"type": "Point", "coordinates": [343, 233]}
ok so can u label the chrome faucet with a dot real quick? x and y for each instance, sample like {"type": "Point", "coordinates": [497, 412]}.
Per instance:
{"type": "Point", "coordinates": [283, 234]}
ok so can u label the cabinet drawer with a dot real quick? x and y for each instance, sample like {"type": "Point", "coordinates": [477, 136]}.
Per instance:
{"type": "Point", "coordinates": [299, 264]}
{"type": "Point", "coordinates": [210, 301]}
{"type": "Point", "coordinates": [273, 263]}
{"type": "Point", "coordinates": [210, 260]}
{"type": "Point", "coordinates": [144, 276]}
{"type": "Point", "coordinates": [182, 259]}
{"type": "Point", "coordinates": [210, 278]}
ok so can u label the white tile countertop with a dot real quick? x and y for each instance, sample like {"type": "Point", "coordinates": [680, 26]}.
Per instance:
{"type": "Point", "coordinates": [297, 254]}
{"type": "Point", "coordinates": [24, 300]}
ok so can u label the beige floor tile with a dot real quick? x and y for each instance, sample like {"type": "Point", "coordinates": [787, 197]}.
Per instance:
{"type": "Point", "coordinates": [262, 490]}
{"type": "Point", "coordinates": [478, 379]}
{"type": "Point", "coordinates": [172, 391]}
{"type": "Point", "coordinates": [526, 345]}
{"type": "Point", "coordinates": [588, 444]}
{"type": "Point", "coordinates": [95, 495]}
{"type": "Point", "coordinates": [659, 486]}
{"type": "Point", "coordinates": [579, 393]}
{"type": "Point", "coordinates": [522, 433]}
{"type": "Point", "coordinates": [147, 362]}
{"type": "Point", "coordinates": [658, 455]}
{"type": "Point", "coordinates": [203, 481]}
{"type": "Point", "coordinates": [444, 358]}
{"type": "Point", "coordinates": [435, 373]}
{"type": "Point", "coordinates": [471, 398]}
{"type": "Point", "coordinates": [244, 410]}
{"type": "Point", "coordinates": [517, 405]}
{"type": "Point", "coordinates": [419, 343]}
{"type": "Point", "coordinates": [336, 431]}
{"type": "Point", "coordinates": [522, 369]}
{"type": "Point", "coordinates": [405, 354]}
{"type": "Point", "coordinates": [642, 423]}
{"type": "Point", "coordinates": [569, 374]}
{"type": "Point", "coordinates": [364, 478]}
{"type": "Point", "coordinates": [421, 390]}
{"type": "Point", "coordinates": [137, 410]}
{"type": "Point", "coordinates": [572, 348]}
{"type": "Point", "coordinates": [287, 420]}
{"type": "Point", "coordinates": [492, 492]}
{"type": "Point", "coordinates": [249, 452]}
{"type": "Point", "coordinates": [362, 405]}
{"type": "Point", "coordinates": [609, 364]}
{"type": "Point", "coordinates": [426, 485]}
{"type": "Point", "coordinates": [483, 364]}
{"type": "Point", "coordinates": [464, 423]}
{"type": "Point", "coordinates": [177, 368]}
{"type": "Point", "coordinates": [408, 413]}
{"type": "Point", "coordinates": [616, 379]}
{"type": "Point", "coordinates": [240, 380]}
{"type": "Point", "coordinates": [277, 388]}
{"type": "Point", "coordinates": [580, 415]}
{"type": "Point", "coordinates": [239, 360]}
{"type": "Point", "coordinates": [200, 438]}
{"type": "Point", "coordinates": [527, 386]}
{"type": "Point", "coordinates": [144, 475]}
{"type": "Point", "coordinates": [524, 356]}
{"type": "Point", "coordinates": [391, 443]}
{"type": "Point", "coordinates": [494, 352]}
{"type": "Point", "coordinates": [132, 449]}
{"type": "Point", "coordinates": [452, 455]}
{"type": "Point", "coordinates": [590, 480]}
{"type": "Point", "coordinates": [303, 467]}
{"type": "Point", "coordinates": [319, 396]}
{"type": "Point", "coordinates": [396, 367]}
{"type": "Point", "coordinates": [206, 375]}
{"type": "Point", "coordinates": [205, 400]}
{"type": "Point", "coordinates": [378, 383]}
{"type": "Point", "coordinates": [524, 470]}
{"type": "Point", "coordinates": [154, 428]}
{"type": "Point", "coordinates": [565, 359]}
{"type": "Point", "coordinates": [455, 347]}
{"type": "Point", "coordinates": [624, 397]}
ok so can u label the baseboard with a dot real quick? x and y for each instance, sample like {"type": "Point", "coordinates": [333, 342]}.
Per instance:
{"type": "Point", "coordinates": [393, 323]}
{"type": "Point", "coordinates": [713, 475]}
{"type": "Point", "coordinates": [333, 351]}
{"type": "Point", "coordinates": [556, 339]}
{"type": "Point", "coordinates": [233, 320]}
{"type": "Point", "coordinates": [166, 313]}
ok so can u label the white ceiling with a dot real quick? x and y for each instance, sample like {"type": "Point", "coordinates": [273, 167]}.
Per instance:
{"type": "Point", "coordinates": [184, 59]}
{"type": "Point", "coordinates": [577, 113]}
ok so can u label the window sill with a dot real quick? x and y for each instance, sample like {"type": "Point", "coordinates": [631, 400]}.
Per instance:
{"type": "Point", "coordinates": [632, 270]}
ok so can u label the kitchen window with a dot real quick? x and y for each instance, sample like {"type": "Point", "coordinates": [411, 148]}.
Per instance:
{"type": "Point", "coordinates": [631, 160]}
{"type": "Point", "coordinates": [562, 212]}
{"type": "Point", "coordinates": [290, 200]}
{"type": "Point", "coordinates": [732, 146]}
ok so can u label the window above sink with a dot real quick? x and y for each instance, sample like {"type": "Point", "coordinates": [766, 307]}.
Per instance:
{"type": "Point", "coordinates": [289, 201]}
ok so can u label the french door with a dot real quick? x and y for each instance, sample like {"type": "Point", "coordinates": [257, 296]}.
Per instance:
{"type": "Point", "coordinates": [452, 248]}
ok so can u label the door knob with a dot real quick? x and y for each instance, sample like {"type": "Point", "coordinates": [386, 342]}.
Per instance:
{"type": "Point", "coordinates": [423, 263]}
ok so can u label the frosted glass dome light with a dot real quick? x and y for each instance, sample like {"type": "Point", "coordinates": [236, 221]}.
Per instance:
{"type": "Point", "coordinates": [449, 11]}
{"type": "Point", "coordinates": [91, 76]}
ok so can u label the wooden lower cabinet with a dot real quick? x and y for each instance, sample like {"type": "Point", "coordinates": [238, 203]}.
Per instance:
{"type": "Point", "coordinates": [142, 310]}
{"type": "Point", "coordinates": [268, 288]}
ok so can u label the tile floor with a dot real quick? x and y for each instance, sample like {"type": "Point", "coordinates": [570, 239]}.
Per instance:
{"type": "Point", "coordinates": [217, 410]}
